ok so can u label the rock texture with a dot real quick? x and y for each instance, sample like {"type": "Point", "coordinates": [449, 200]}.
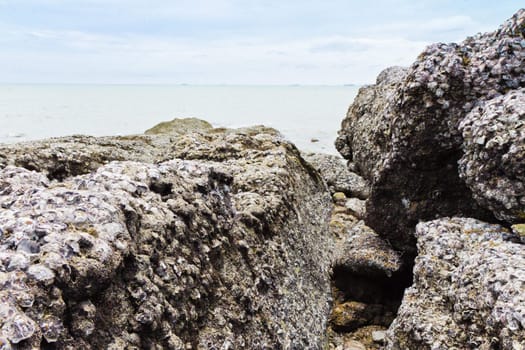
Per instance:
{"type": "Point", "coordinates": [493, 164]}
{"type": "Point", "coordinates": [403, 133]}
{"type": "Point", "coordinates": [206, 240]}
{"type": "Point", "coordinates": [337, 175]}
{"type": "Point", "coordinates": [180, 126]}
{"type": "Point", "coordinates": [368, 280]}
{"type": "Point", "coordinates": [366, 131]}
{"type": "Point", "coordinates": [468, 291]}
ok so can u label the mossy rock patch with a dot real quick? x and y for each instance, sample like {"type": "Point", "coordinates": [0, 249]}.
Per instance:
{"type": "Point", "coordinates": [179, 126]}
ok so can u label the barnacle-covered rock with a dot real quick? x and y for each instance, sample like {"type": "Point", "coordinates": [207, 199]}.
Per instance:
{"type": "Point", "coordinates": [213, 239]}
{"type": "Point", "coordinates": [179, 126]}
{"type": "Point", "coordinates": [468, 291]}
{"type": "Point", "coordinates": [493, 164]}
{"type": "Point", "coordinates": [403, 133]}
{"type": "Point", "coordinates": [337, 175]}
{"type": "Point", "coordinates": [364, 253]}
{"type": "Point", "coordinates": [366, 130]}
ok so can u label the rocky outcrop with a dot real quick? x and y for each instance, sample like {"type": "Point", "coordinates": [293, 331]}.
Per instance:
{"type": "Point", "coordinates": [366, 131]}
{"type": "Point", "coordinates": [403, 133]}
{"type": "Point", "coordinates": [368, 280]}
{"type": "Point", "coordinates": [179, 126]}
{"type": "Point", "coordinates": [205, 240]}
{"type": "Point", "coordinates": [443, 138]}
{"type": "Point", "coordinates": [337, 175]}
{"type": "Point", "coordinates": [493, 163]}
{"type": "Point", "coordinates": [468, 290]}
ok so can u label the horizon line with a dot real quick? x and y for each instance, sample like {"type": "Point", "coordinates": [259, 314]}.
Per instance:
{"type": "Point", "coordinates": [188, 84]}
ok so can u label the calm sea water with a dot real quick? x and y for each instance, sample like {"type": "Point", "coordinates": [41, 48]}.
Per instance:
{"type": "Point", "coordinates": [301, 113]}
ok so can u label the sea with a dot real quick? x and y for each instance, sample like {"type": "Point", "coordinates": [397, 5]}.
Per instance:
{"type": "Point", "coordinates": [309, 116]}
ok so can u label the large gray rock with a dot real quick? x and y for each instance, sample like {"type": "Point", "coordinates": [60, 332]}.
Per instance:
{"type": "Point", "coordinates": [366, 131]}
{"type": "Point", "coordinates": [403, 133]}
{"type": "Point", "coordinates": [179, 126]}
{"type": "Point", "coordinates": [493, 164]}
{"type": "Point", "coordinates": [337, 176]}
{"type": "Point", "coordinates": [223, 246]}
{"type": "Point", "coordinates": [468, 291]}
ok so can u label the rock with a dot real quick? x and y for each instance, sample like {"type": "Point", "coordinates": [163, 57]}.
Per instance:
{"type": "Point", "coordinates": [351, 315]}
{"type": "Point", "coordinates": [353, 345]}
{"type": "Point", "coordinates": [362, 251]}
{"type": "Point", "coordinates": [468, 290]}
{"type": "Point", "coordinates": [403, 133]}
{"type": "Point", "coordinates": [202, 240]}
{"type": "Point", "coordinates": [368, 280]}
{"type": "Point", "coordinates": [365, 132]}
{"type": "Point", "coordinates": [337, 175]}
{"type": "Point", "coordinates": [357, 207]}
{"type": "Point", "coordinates": [494, 155]}
{"type": "Point", "coordinates": [379, 336]}
{"type": "Point", "coordinates": [519, 229]}
{"type": "Point", "coordinates": [179, 126]}
{"type": "Point", "coordinates": [59, 158]}
{"type": "Point", "coordinates": [339, 197]}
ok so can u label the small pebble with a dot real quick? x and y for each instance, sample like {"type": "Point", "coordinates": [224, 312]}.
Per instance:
{"type": "Point", "coordinates": [379, 336]}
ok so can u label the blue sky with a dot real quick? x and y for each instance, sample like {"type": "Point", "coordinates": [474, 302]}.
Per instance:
{"type": "Point", "coordinates": [228, 41]}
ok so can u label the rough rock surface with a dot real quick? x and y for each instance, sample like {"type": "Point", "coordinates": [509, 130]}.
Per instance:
{"type": "Point", "coordinates": [365, 132]}
{"type": "Point", "coordinates": [337, 176]}
{"type": "Point", "coordinates": [403, 133]}
{"type": "Point", "coordinates": [179, 126]}
{"type": "Point", "coordinates": [493, 164]}
{"type": "Point", "coordinates": [363, 251]}
{"type": "Point", "coordinates": [368, 281]}
{"type": "Point", "coordinates": [468, 291]}
{"type": "Point", "coordinates": [224, 246]}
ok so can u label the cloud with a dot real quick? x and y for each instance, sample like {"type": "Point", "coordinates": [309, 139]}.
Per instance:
{"type": "Point", "coordinates": [154, 59]}
{"type": "Point", "coordinates": [223, 41]}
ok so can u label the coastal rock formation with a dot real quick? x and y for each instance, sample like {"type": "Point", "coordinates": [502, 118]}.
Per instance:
{"type": "Point", "coordinates": [368, 281]}
{"type": "Point", "coordinates": [179, 126]}
{"type": "Point", "coordinates": [468, 290]}
{"type": "Point", "coordinates": [204, 240]}
{"type": "Point", "coordinates": [493, 164]}
{"type": "Point", "coordinates": [403, 133]}
{"type": "Point", "coordinates": [365, 132]}
{"type": "Point", "coordinates": [337, 175]}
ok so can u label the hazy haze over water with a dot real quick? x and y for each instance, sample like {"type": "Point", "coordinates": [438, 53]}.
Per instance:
{"type": "Point", "coordinates": [301, 113]}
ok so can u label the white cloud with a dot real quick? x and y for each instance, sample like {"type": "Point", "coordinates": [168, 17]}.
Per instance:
{"type": "Point", "coordinates": [134, 58]}
{"type": "Point", "coordinates": [218, 41]}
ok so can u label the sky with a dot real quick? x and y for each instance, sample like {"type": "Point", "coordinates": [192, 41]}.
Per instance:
{"type": "Point", "coordinates": [255, 42]}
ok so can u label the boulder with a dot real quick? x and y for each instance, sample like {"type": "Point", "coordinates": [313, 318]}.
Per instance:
{"type": "Point", "coordinates": [179, 126]}
{"type": "Point", "coordinates": [468, 290]}
{"type": "Point", "coordinates": [362, 252]}
{"type": "Point", "coordinates": [493, 163]}
{"type": "Point", "coordinates": [203, 240]}
{"type": "Point", "coordinates": [404, 137]}
{"type": "Point", "coordinates": [366, 131]}
{"type": "Point", "coordinates": [337, 175]}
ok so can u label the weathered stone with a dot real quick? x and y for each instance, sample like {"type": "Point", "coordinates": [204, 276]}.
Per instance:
{"type": "Point", "coordinates": [337, 175]}
{"type": "Point", "coordinates": [209, 239]}
{"type": "Point", "coordinates": [357, 207]}
{"type": "Point", "coordinates": [379, 336]}
{"type": "Point", "coordinates": [366, 130]}
{"type": "Point", "coordinates": [363, 252]}
{"type": "Point", "coordinates": [351, 315]}
{"type": "Point", "coordinates": [468, 290]}
{"type": "Point", "coordinates": [403, 133]}
{"type": "Point", "coordinates": [493, 164]}
{"type": "Point", "coordinates": [353, 345]}
{"type": "Point", "coordinates": [519, 229]}
{"type": "Point", "coordinates": [179, 126]}
{"type": "Point", "coordinates": [339, 197]}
